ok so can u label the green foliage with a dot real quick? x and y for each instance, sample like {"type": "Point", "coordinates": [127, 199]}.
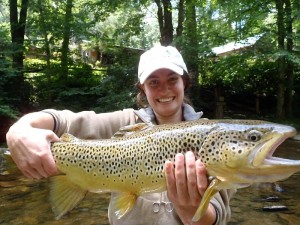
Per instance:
{"type": "Point", "coordinates": [4, 33]}
{"type": "Point", "coordinates": [242, 73]}
{"type": "Point", "coordinates": [72, 93]}
{"type": "Point", "coordinates": [123, 27]}
{"type": "Point", "coordinates": [106, 25]}
{"type": "Point", "coordinates": [228, 71]}
{"type": "Point", "coordinates": [86, 88]}
{"type": "Point", "coordinates": [8, 100]}
{"type": "Point", "coordinates": [8, 111]}
{"type": "Point", "coordinates": [116, 95]}
{"type": "Point", "coordinates": [75, 92]}
{"type": "Point", "coordinates": [117, 88]}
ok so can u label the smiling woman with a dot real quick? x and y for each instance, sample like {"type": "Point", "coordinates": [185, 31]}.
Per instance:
{"type": "Point", "coordinates": [163, 78]}
{"type": "Point", "coordinates": [164, 91]}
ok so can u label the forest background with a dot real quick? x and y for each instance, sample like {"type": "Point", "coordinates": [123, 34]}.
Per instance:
{"type": "Point", "coordinates": [83, 55]}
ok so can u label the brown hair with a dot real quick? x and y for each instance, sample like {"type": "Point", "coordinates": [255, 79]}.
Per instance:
{"type": "Point", "coordinates": [141, 99]}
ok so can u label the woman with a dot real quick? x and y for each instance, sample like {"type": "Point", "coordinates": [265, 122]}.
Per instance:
{"type": "Point", "coordinates": [163, 79]}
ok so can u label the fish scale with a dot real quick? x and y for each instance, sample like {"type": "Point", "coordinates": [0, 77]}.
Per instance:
{"type": "Point", "coordinates": [234, 153]}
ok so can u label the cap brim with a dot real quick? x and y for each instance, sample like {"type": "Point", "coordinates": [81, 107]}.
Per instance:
{"type": "Point", "coordinates": [160, 65]}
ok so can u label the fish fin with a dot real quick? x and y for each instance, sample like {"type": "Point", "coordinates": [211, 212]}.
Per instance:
{"type": "Point", "coordinates": [208, 194]}
{"type": "Point", "coordinates": [131, 129]}
{"type": "Point", "coordinates": [123, 203]}
{"type": "Point", "coordinates": [64, 195]}
{"type": "Point", "coordinates": [68, 138]}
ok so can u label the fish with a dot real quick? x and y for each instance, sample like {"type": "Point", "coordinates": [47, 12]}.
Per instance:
{"type": "Point", "coordinates": [236, 154]}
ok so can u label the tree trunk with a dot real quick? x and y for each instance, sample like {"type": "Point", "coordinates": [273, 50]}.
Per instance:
{"type": "Point", "coordinates": [219, 102]}
{"type": "Point", "coordinates": [43, 25]}
{"type": "Point", "coordinates": [281, 59]}
{"type": "Point", "coordinates": [66, 40]}
{"type": "Point", "coordinates": [257, 104]}
{"type": "Point", "coordinates": [179, 28]}
{"type": "Point", "coordinates": [290, 65]}
{"type": "Point", "coordinates": [192, 51]}
{"type": "Point", "coordinates": [192, 37]}
{"type": "Point", "coordinates": [164, 13]}
{"type": "Point", "coordinates": [17, 26]}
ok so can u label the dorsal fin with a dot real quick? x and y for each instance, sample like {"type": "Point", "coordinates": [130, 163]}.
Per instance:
{"type": "Point", "coordinates": [68, 138]}
{"type": "Point", "coordinates": [131, 129]}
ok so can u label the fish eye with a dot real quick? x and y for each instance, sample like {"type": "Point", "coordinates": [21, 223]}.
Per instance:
{"type": "Point", "coordinates": [254, 135]}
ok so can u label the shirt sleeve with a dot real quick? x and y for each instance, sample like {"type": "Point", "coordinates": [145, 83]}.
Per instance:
{"type": "Point", "coordinates": [90, 125]}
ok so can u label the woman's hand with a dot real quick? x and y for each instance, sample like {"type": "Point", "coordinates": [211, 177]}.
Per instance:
{"type": "Point", "coordinates": [186, 184]}
{"type": "Point", "coordinates": [30, 147]}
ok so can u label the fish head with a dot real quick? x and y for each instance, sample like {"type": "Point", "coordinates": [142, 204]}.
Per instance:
{"type": "Point", "coordinates": [242, 150]}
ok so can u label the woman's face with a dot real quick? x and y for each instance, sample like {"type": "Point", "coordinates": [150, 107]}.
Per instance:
{"type": "Point", "coordinates": [164, 90]}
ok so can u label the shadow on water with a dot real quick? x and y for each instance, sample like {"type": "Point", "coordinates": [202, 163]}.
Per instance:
{"type": "Point", "coordinates": [24, 201]}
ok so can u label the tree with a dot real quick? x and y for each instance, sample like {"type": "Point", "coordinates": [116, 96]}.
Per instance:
{"type": "Point", "coordinates": [285, 55]}
{"type": "Point", "coordinates": [290, 64]}
{"type": "Point", "coordinates": [164, 15]}
{"type": "Point", "coordinates": [191, 49]}
{"type": "Point", "coordinates": [18, 25]}
{"type": "Point", "coordinates": [43, 25]}
{"type": "Point", "coordinates": [66, 40]}
{"type": "Point", "coordinates": [179, 29]}
{"type": "Point", "coordinates": [56, 26]}
{"type": "Point", "coordinates": [281, 58]}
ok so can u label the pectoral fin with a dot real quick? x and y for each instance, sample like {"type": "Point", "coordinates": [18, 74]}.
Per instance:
{"type": "Point", "coordinates": [64, 195]}
{"type": "Point", "coordinates": [209, 193]}
{"type": "Point", "coordinates": [123, 203]}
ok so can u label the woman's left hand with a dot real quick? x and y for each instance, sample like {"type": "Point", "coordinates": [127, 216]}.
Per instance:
{"type": "Point", "coordinates": [186, 184]}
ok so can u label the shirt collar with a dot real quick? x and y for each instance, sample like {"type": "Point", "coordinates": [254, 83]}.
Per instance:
{"type": "Point", "coordinates": [146, 115]}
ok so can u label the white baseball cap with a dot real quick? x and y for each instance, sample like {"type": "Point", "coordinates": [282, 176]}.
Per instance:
{"type": "Point", "coordinates": [160, 57]}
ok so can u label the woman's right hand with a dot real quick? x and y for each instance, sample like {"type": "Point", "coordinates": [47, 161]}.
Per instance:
{"type": "Point", "coordinates": [30, 146]}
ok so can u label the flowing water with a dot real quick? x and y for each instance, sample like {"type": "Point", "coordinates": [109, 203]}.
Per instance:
{"type": "Point", "coordinates": [24, 201]}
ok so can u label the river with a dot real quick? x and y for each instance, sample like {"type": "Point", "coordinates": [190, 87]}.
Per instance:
{"type": "Point", "coordinates": [24, 201]}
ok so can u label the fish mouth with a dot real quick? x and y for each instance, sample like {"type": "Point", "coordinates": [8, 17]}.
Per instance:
{"type": "Point", "coordinates": [264, 152]}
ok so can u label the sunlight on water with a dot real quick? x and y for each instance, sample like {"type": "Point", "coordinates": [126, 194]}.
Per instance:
{"type": "Point", "coordinates": [24, 201]}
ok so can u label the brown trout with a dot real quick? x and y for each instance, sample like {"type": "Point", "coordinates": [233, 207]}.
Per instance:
{"type": "Point", "coordinates": [236, 154]}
